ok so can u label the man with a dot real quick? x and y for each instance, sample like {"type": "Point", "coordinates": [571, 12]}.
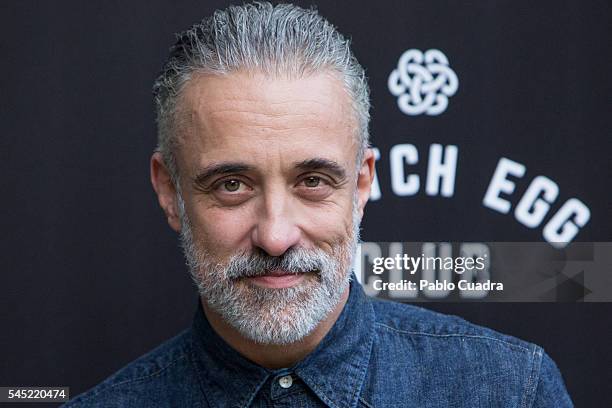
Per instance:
{"type": "Point", "coordinates": [263, 167]}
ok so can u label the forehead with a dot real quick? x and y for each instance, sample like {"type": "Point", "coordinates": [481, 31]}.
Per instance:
{"type": "Point", "coordinates": [246, 116]}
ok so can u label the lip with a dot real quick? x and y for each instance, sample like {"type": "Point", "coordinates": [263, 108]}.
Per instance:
{"type": "Point", "coordinates": [277, 279]}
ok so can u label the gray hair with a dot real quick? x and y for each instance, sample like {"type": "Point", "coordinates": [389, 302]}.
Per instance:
{"type": "Point", "coordinates": [276, 40]}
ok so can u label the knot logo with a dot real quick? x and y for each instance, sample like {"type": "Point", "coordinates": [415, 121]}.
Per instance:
{"type": "Point", "coordinates": [423, 82]}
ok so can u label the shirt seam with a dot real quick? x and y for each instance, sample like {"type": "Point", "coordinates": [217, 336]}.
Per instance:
{"type": "Point", "coordinates": [530, 387]}
{"type": "Point", "coordinates": [248, 399]}
{"type": "Point", "coordinates": [365, 403]}
{"type": "Point", "coordinates": [473, 336]}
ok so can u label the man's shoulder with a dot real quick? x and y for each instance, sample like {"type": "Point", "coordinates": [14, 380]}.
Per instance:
{"type": "Point", "coordinates": [409, 321]}
{"type": "Point", "coordinates": [161, 368]}
{"type": "Point", "coordinates": [455, 354]}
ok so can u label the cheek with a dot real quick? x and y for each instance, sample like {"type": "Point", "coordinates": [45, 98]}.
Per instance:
{"type": "Point", "coordinates": [221, 231]}
{"type": "Point", "coordinates": [331, 225]}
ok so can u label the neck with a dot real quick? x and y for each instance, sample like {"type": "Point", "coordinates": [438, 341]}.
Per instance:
{"type": "Point", "coordinates": [274, 356]}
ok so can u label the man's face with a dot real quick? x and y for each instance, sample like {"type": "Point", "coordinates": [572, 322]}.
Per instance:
{"type": "Point", "coordinates": [271, 198]}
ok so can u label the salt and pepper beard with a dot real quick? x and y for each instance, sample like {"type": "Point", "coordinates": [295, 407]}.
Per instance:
{"type": "Point", "coordinates": [271, 315]}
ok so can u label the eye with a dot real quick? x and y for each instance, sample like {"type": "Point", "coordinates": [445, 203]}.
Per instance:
{"type": "Point", "coordinates": [232, 191]}
{"type": "Point", "coordinates": [312, 181]}
{"type": "Point", "coordinates": [315, 188]}
{"type": "Point", "coordinates": [232, 185]}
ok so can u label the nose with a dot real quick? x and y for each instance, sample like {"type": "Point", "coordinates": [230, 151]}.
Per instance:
{"type": "Point", "coordinates": [276, 230]}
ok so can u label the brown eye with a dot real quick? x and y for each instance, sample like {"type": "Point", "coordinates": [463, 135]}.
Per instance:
{"type": "Point", "coordinates": [312, 181]}
{"type": "Point", "coordinates": [231, 185]}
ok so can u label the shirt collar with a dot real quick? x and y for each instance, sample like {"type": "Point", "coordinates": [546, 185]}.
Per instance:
{"type": "Point", "coordinates": [228, 379]}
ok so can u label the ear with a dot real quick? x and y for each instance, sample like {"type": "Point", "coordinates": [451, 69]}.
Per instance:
{"type": "Point", "coordinates": [165, 190]}
{"type": "Point", "coordinates": [365, 178]}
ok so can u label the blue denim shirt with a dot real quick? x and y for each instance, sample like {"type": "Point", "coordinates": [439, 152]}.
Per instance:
{"type": "Point", "coordinates": [377, 354]}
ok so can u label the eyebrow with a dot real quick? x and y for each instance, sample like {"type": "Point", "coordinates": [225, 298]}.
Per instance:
{"type": "Point", "coordinates": [208, 172]}
{"type": "Point", "coordinates": [322, 164]}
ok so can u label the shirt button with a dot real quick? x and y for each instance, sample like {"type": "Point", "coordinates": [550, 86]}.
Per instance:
{"type": "Point", "coordinates": [285, 381]}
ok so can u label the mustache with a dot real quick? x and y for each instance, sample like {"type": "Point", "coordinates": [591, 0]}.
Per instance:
{"type": "Point", "coordinates": [258, 263]}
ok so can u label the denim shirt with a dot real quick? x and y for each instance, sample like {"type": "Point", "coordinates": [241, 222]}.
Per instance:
{"type": "Point", "coordinates": [377, 354]}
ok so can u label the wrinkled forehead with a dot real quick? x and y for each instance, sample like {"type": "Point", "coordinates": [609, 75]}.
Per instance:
{"type": "Point", "coordinates": [246, 115]}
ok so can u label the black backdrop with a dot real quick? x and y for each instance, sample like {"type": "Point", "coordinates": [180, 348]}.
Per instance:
{"type": "Point", "coordinates": [91, 275]}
